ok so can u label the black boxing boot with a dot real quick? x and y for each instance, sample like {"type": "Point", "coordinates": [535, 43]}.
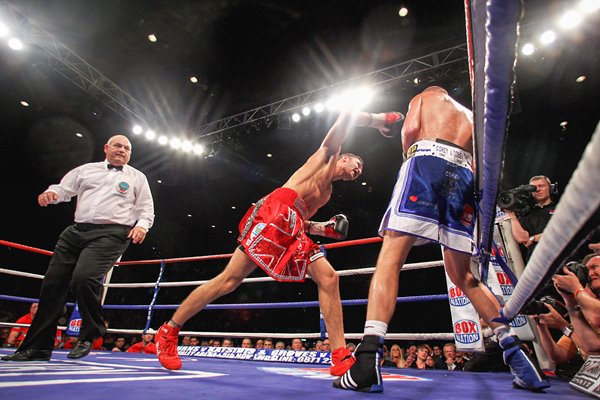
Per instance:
{"type": "Point", "coordinates": [365, 374]}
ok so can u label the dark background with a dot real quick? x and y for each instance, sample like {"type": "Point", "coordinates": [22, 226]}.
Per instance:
{"type": "Point", "coordinates": [247, 54]}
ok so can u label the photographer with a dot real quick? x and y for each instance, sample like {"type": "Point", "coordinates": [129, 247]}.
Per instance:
{"type": "Point", "coordinates": [583, 303]}
{"type": "Point", "coordinates": [527, 229]}
{"type": "Point", "coordinates": [582, 306]}
{"type": "Point", "coordinates": [567, 352]}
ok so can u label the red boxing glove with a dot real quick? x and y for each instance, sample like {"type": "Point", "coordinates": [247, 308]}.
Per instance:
{"type": "Point", "coordinates": [335, 228]}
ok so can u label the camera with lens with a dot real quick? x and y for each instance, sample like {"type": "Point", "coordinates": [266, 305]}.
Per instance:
{"type": "Point", "coordinates": [536, 305]}
{"type": "Point", "coordinates": [518, 200]}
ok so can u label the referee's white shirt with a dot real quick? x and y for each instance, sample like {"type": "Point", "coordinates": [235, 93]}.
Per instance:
{"type": "Point", "coordinates": [107, 196]}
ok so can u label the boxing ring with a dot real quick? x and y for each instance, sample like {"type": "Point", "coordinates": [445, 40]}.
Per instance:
{"type": "Point", "coordinates": [220, 373]}
{"type": "Point", "coordinates": [233, 373]}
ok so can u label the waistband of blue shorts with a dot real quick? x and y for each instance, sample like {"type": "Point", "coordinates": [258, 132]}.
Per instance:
{"type": "Point", "coordinates": [442, 149]}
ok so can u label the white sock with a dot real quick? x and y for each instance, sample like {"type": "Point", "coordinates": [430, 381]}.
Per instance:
{"type": "Point", "coordinates": [377, 328]}
{"type": "Point", "coordinates": [502, 332]}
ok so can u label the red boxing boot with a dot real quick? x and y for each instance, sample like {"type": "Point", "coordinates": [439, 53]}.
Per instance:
{"type": "Point", "coordinates": [166, 346]}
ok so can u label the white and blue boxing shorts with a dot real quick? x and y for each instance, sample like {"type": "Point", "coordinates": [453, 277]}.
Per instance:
{"type": "Point", "coordinates": [434, 198]}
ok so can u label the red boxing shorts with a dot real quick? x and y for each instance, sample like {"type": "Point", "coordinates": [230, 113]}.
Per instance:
{"type": "Point", "coordinates": [272, 235]}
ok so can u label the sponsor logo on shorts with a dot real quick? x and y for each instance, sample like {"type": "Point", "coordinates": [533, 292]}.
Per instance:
{"type": "Point", "coordinates": [258, 228]}
{"type": "Point", "coordinates": [457, 297]}
{"type": "Point", "coordinates": [466, 331]}
{"type": "Point", "coordinates": [467, 216]}
{"type": "Point", "coordinates": [122, 187]}
{"type": "Point", "coordinates": [411, 151]}
{"type": "Point", "coordinates": [518, 321]}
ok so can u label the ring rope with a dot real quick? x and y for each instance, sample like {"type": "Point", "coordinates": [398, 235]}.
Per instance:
{"type": "Point", "coordinates": [295, 304]}
{"type": "Point", "coordinates": [346, 272]}
{"type": "Point", "coordinates": [347, 243]}
{"type": "Point", "coordinates": [278, 335]}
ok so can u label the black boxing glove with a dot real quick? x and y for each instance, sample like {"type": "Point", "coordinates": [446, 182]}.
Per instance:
{"type": "Point", "coordinates": [335, 228]}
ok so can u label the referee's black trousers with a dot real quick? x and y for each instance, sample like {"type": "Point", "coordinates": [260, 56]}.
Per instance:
{"type": "Point", "coordinates": [83, 254]}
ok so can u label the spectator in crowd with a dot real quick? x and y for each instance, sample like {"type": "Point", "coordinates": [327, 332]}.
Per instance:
{"type": "Point", "coordinates": [449, 361]}
{"type": "Point", "coordinates": [17, 334]}
{"type": "Point", "coordinates": [411, 350]}
{"type": "Point", "coordinates": [246, 343]}
{"type": "Point", "coordinates": [436, 353]}
{"type": "Point", "coordinates": [146, 345]}
{"type": "Point", "coordinates": [326, 345]}
{"type": "Point", "coordinates": [351, 346]}
{"type": "Point", "coordinates": [4, 333]}
{"type": "Point", "coordinates": [259, 344]}
{"type": "Point", "coordinates": [421, 359]}
{"type": "Point", "coordinates": [319, 345]}
{"type": "Point", "coordinates": [216, 343]}
{"type": "Point", "coordinates": [227, 342]}
{"type": "Point", "coordinates": [396, 358]}
{"type": "Point", "coordinates": [195, 342]}
{"type": "Point", "coordinates": [430, 362]}
{"type": "Point", "coordinates": [185, 341]}
{"type": "Point", "coordinates": [297, 344]}
{"type": "Point", "coordinates": [280, 345]}
{"type": "Point", "coordinates": [120, 344]}
{"type": "Point", "coordinates": [268, 343]}
{"type": "Point", "coordinates": [410, 359]}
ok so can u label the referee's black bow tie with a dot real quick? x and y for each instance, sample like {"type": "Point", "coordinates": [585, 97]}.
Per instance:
{"type": "Point", "coordinates": [117, 167]}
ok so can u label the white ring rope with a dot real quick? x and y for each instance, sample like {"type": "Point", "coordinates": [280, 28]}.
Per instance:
{"type": "Point", "coordinates": [274, 335]}
{"type": "Point", "coordinates": [347, 272]}
{"type": "Point", "coordinates": [19, 273]}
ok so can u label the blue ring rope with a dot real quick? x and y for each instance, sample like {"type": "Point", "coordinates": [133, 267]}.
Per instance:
{"type": "Point", "coordinates": [298, 304]}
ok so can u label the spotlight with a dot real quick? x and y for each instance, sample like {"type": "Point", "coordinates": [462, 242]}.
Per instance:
{"type": "Point", "coordinates": [306, 111]}
{"type": "Point", "coordinates": [548, 37]}
{"type": "Point", "coordinates": [137, 129]}
{"type": "Point", "coordinates": [403, 12]}
{"type": "Point", "coordinates": [186, 146]}
{"type": "Point", "coordinates": [150, 135]}
{"type": "Point", "coordinates": [589, 6]}
{"type": "Point", "coordinates": [580, 79]}
{"type": "Point", "coordinates": [162, 140]}
{"type": "Point", "coordinates": [193, 79]}
{"type": "Point", "coordinates": [319, 107]}
{"type": "Point", "coordinates": [79, 134]}
{"type": "Point", "coordinates": [198, 149]}
{"type": "Point", "coordinates": [15, 44]}
{"type": "Point", "coordinates": [24, 103]}
{"type": "Point", "coordinates": [295, 117]}
{"type": "Point", "coordinates": [570, 19]}
{"type": "Point", "coordinates": [3, 30]}
{"type": "Point", "coordinates": [528, 49]}
{"type": "Point", "coordinates": [175, 143]}
{"type": "Point", "coordinates": [152, 38]}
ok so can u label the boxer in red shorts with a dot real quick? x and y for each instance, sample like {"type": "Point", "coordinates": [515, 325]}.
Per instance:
{"type": "Point", "coordinates": [273, 236]}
